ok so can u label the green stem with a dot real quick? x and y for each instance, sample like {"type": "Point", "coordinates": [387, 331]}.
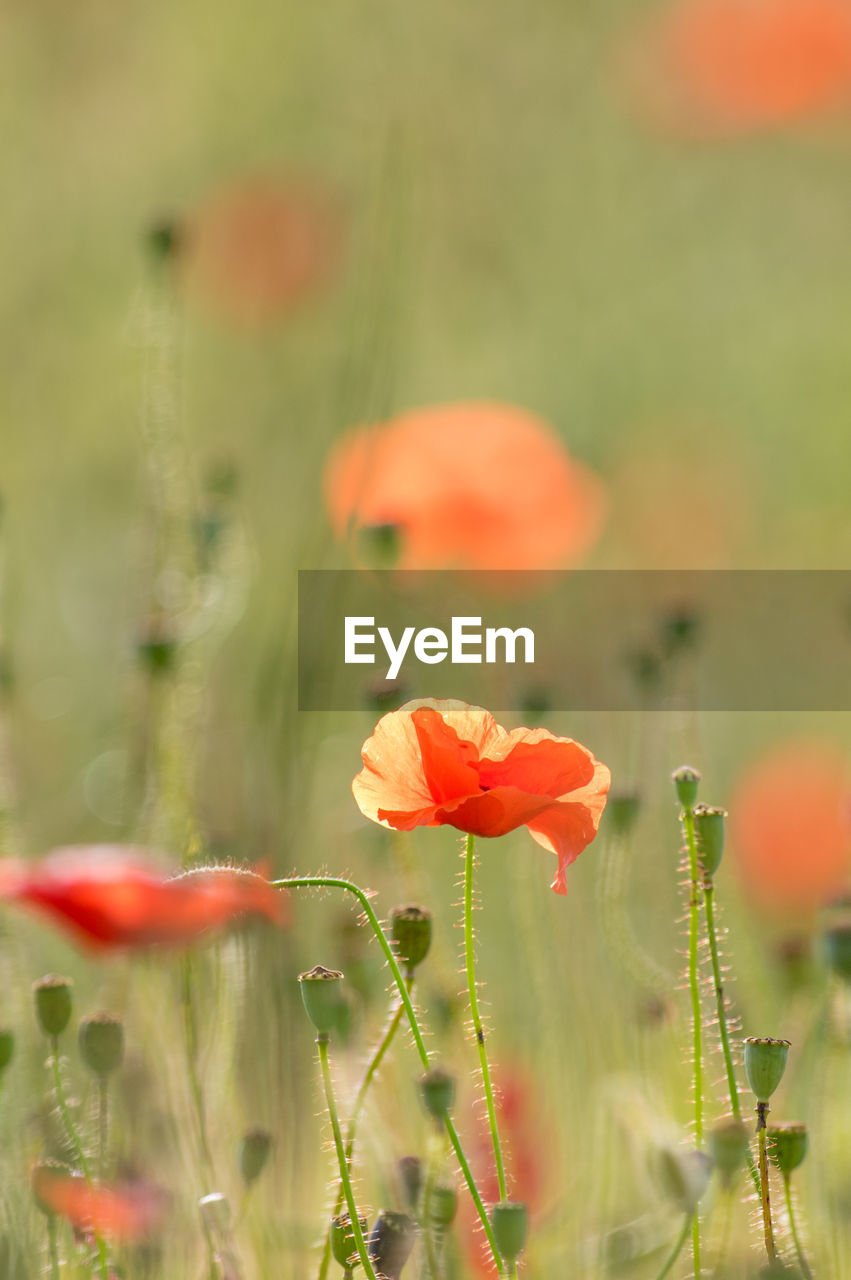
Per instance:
{"type": "Point", "coordinates": [790, 1209]}
{"type": "Point", "coordinates": [762, 1112]}
{"type": "Point", "coordinates": [332, 882]}
{"type": "Point", "coordinates": [677, 1249]}
{"type": "Point", "coordinates": [190, 1039]}
{"type": "Point", "coordinates": [360, 1243]}
{"type": "Point", "coordinates": [432, 1263]}
{"type": "Point", "coordinates": [53, 1248]}
{"type": "Point", "coordinates": [694, 987]}
{"type": "Point", "coordinates": [76, 1143]}
{"type": "Point", "coordinates": [103, 1124]}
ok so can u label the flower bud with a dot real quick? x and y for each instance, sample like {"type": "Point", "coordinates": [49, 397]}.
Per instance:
{"type": "Point", "coordinates": [53, 1004]}
{"type": "Point", "coordinates": [728, 1143]}
{"type": "Point", "coordinates": [322, 994]}
{"type": "Point", "coordinates": [438, 1091]}
{"type": "Point", "coordinates": [709, 833]}
{"type": "Point", "coordinates": [410, 1170]}
{"type": "Point", "coordinates": [390, 1242]}
{"type": "Point", "coordinates": [510, 1222]}
{"type": "Point", "coordinates": [765, 1063]}
{"type": "Point", "coordinates": [7, 1048]}
{"type": "Point", "coordinates": [343, 1244]}
{"type": "Point", "coordinates": [837, 948]}
{"type": "Point", "coordinates": [156, 648]}
{"type": "Point", "coordinates": [623, 810]}
{"type": "Point", "coordinates": [254, 1152]}
{"type": "Point", "coordinates": [102, 1043]}
{"type": "Point", "coordinates": [680, 629]}
{"type": "Point", "coordinates": [686, 782]}
{"type": "Point", "coordinates": [787, 1146]}
{"type": "Point", "coordinates": [410, 928]}
{"type": "Point", "coordinates": [443, 1206]}
{"type": "Point", "coordinates": [163, 238]}
{"type": "Point", "coordinates": [683, 1176]}
{"type": "Point", "coordinates": [379, 545]}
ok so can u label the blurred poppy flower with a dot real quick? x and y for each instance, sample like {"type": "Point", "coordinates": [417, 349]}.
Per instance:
{"type": "Point", "coordinates": [435, 763]}
{"type": "Point", "coordinates": [473, 485]}
{"type": "Point", "coordinates": [790, 827]}
{"type": "Point", "coordinates": [258, 248]}
{"type": "Point", "coordinates": [126, 1211]}
{"type": "Point", "coordinates": [734, 66]}
{"type": "Point", "coordinates": [113, 896]}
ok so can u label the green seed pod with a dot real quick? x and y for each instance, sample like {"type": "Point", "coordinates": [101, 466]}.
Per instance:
{"type": "Point", "coordinates": [254, 1152]}
{"type": "Point", "coordinates": [837, 949]}
{"type": "Point", "coordinates": [390, 1242]}
{"type": "Point", "coordinates": [7, 1048]}
{"type": "Point", "coordinates": [728, 1143]}
{"type": "Point", "coordinates": [102, 1043]}
{"type": "Point", "coordinates": [321, 993]}
{"type": "Point", "coordinates": [510, 1222]}
{"type": "Point", "coordinates": [443, 1206]}
{"type": "Point", "coordinates": [438, 1092]}
{"type": "Point", "coordinates": [765, 1063]}
{"type": "Point", "coordinates": [686, 781]}
{"type": "Point", "coordinates": [53, 1004]}
{"type": "Point", "coordinates": [709, 831]}
{"type": "Point", "coordinates": [410, 1171]}
{"type": "Point", "coordinates": [163, 239]}
{"type": "Point", "coordinates": [379, 545]}
{"type": "Point", "coordinates": [623, 809]}
{"type": "Point", "coordinates": [410, 928]}
{"type": "Point", "coordinates": [343, 1244]}
{"type": "Point", "coordinates": [683, 1176]}
{"type": "Point", "coordinates": [787, 1146]}
{"type": "Point", "coordinates": [156, 649]}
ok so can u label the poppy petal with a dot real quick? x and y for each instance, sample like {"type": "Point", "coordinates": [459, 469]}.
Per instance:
{"type": "Point", "coordinates": [540, 763]}
{"type": "Point", "coordinates": [568, 826]}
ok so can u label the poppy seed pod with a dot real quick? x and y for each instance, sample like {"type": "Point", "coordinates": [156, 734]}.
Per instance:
{"type": "Point", "coordinates": [254, 1152]}
{"type": "Point", "coordinates": [379, 546]}
{"type": "Point", "coordinates": [343, 1239]}
{"type": "Point", "coordinates": [390, 1243]}
{"type": "Point", "coordinates": [53, 1004]}
{"type": "Point", "coordinates": [321, 993]}
{"type": "Point", "coordinates": [410, 928]}
{"type": "Point", "coordinates": [709, 830]}
{"type": "Point", "coordinates": [163, 238]}
{"type": "Point", "coordinates": [7, 1048]}
{"type": "Point", "coordinates": [728, 1143]}
{"type": "Point", "coordinates": [438, 1091]}
{"type": "Point", "coordinates": [787, 1146]}
{"type": "Point", "coordinates": [102, 1043]}
{"type": "Point", "coordinates": [686, 781]}
{"type": "Point", "coordinates": [765, 1063]}
{"type": "Point", "coordinates": [443, 1206]}
{"type": "Point", "coordinates": [837, 949]}
{"type": "Point", "coordinates": [623, 810]}
{"type": "Point", "coordinates": [510, 1222]}
{"type": "Point", "coordinates": [683, 1176]}
{"type": "Point", "coordinates": [410, 1170]}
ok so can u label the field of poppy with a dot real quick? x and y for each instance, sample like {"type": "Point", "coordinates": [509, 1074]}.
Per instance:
{"type": "Point", "coordinates": [364, 286]}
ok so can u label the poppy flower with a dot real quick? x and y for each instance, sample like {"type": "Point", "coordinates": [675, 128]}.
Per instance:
{"type": "Point", "coordinates": [259, 247]}
{"type": "Point", "coordinates": [126, 1211]}
{"type": "Point", "coordinates": [113, 896]}
{"type": "Point", "coordinates": [790, 827]}
{"type": "Point", "coordinates": [434, 763]}
{"type": "Point", "coordinates": [474, 485]}
{"type": "Point", "coordinates": [733, 66]}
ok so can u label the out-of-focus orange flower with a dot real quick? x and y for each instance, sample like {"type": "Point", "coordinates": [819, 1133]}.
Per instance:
{"type": "Point", "coordinates": [474, 485]}
{"type": "Point", "coordinates": [258, 248]}
{"type": "Point", "coordinates": [127, 1211]}
{"type": "Point", "coordinates": [113, 896]}
{"type": "Point", "coordinates": [434, 763]}
{"type": "Point", "coordinates": [734, 66]}
{"type": "Point", "coordinates": [790, 826]}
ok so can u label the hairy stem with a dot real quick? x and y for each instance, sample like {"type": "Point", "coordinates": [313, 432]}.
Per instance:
{"type": "Point", "coordinates": [762, 1112]}
{"type": "Point", "coordinates": [696, 1018]}
{"type": "Point", "coordinates": [53, 1248]}
{"type": "Point", "coordinates": [76, 1142]}
{"type": "Point", "coordinates": [793, 1227]}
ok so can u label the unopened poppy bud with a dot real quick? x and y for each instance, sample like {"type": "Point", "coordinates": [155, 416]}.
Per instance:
{"type": "Point", "coordinates": [215, 1212]}
{"type": "Point", "coordinates": [410, 928]}
{"type": "Point", "coordinates": [343, 1244]}
{"type": "Point", "coordinates": [254, 1152]}
{"type": "Point", "coordinates": [42, 1175]}
{"type": "Point", "coordinates": [683, 1176]}
{"type": "Point", "coordinates": [379, 545]}
{"type": "Point", "coordinates": [443, 1206]}
{"type": "Point", "coordinates": [390, 1242]}
{"type": "Point", "coordinates": [7, 1048]}
{"type": "Point", "coordinates": [765, 1063]}
{"type": "Point", "coordinates": [53, 1004]}
{"type": "Point", "coordinates": [837, 949]}
{"type": "Point", "coordinates": [623, 810]}
{"type": "Point", "coordinates": [163, 238]}
{"type": "Point", "coordinates": [787, 1146]}
{"type": "Point", "coordinates": [686, 782]}
{"type": "Point", "coordinates": [410, 1170]}
{"type": "Point", "coordinates": [102, 1043]}
{"type": "Point", "coordinates": [438, 1090]}
{"type": "Point", "coordinates": [321, 992]}
{"type": "Point", "coordinates": [709, 831]}
{"type": "Point", "coordinates": [510, 1222]}
{"type": "Point", "coordinates": [728, 1143]}
{"type": "Point", "coordinates": [680, 630]}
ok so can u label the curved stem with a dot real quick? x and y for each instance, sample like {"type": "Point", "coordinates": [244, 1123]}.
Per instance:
{"type": "Point", "coordinates": [762, 1112]}
{"type": "Point", "coordinates": [677, 1249]}
{"type": "Point", "coordinates": [76, 1143]}
{"type": "Point", "coordinates": [790, 1209]}
{"type": "Point", "coordinates": [360, 1243]}
{"type": "Point", "coordinates": [332, 882]}
{"type": "Point", "coordinates": [694, 987]}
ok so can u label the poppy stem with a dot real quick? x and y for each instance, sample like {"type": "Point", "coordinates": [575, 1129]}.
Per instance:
{"type": "Point", "coordinates": [348, 886]}
{"type": "Point", "coordinates": [761, 1113]}
{"type": "Point", "coordinates": [345, 1178]}
{"type": "Point", "coordinates": [190, 1038]}
{"type": "Point", "coordinates": [687, 819]}
{"type": "Point", "coordinates": [53, 1248]}
{"type": "Point", "coordinates": [677, 1249]}
{"type": "Point", "coordinates": [103, 1123]}
{"type": "Point", "coordinates": [790, 1209]}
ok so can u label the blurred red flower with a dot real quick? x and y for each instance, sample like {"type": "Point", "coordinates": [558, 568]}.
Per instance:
{"type": "Point", "coordinates": [434, 763]}
{"type": "Point", "coordinates": [114, 896]}
{"type": "Point", "coordinates": [790, 826]}
{"type": "Point", "coordinates": [733, 66]}
{"type": "Point", "coordinates": [259, 247]}
{"type": "Point", "coordinates": [473, 485]}
{"type": "Point", "coordinates": [127, 1211]}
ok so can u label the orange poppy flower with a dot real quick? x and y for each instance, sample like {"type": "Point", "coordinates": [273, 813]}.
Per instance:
{"type": "Point", "coordinates": [790, 827]}
{"type": "Point", "coordinates": [473, 485]}
{"type": "Point", "coordinates": [125, 1212]}
{"type": "Point", "coordinates": [435, 763]}
{"type": "Point", "coordinates": [728, 66]}
{"type": "Point", "coordinates": [260, 247]}
{"type": "Point", "coordinates": [112, 896]}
